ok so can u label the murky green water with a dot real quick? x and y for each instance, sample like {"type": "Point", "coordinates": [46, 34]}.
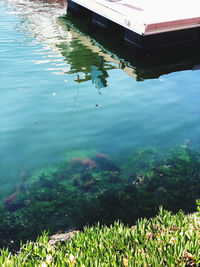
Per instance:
{"type": "Point", "coordinates": [81, 139]}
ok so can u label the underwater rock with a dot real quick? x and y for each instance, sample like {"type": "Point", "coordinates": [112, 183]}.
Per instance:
{"type": "Point", "coordinates": [139, 180]}
{"type": "Point", "coordinates": [75, 179]}
{"type": "Point", "coordinates": [114, 176]}
{"type": "Point", "coordinates": [161, 190]}
{"type": "Point", "coordinates": [101, 155]}
{"type": "Point", "coordinates": [89, 163]}
{"type": "Point", "coordinates": [161, 195]}
{"type": "Point", "coordinates": [65, 237]}
{"type": "Point", "coordinates": [86, 177]}
{"type": "Point", "coordinates": [75, 160]}
{"type": "Point", "coordinates": [105, 164]}
{"type": "Point", "coordinates": [10, 199]}
{"type": "Point", "coordinates": [132, 176]}
{"type": "Point", "coordinates": [80, 165]}
{"type": "Point", "coordinates": [11, 205]}
{"type": "Point", "coordinates": [88, 185]}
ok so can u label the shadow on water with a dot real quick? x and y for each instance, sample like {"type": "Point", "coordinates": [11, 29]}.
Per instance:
{"type": "Point", "coordinates": [138, 63]}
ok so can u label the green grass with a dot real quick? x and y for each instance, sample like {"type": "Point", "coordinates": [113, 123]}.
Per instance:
{"type": "Point", "coordinates": [166, 240]}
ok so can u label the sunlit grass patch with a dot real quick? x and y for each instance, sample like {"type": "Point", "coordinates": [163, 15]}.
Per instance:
{"type": "Point", "coordinates": [166, 240]}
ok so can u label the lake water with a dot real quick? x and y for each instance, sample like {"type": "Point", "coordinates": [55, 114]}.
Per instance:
{"type": "Point", "coordinates": [68, 100]}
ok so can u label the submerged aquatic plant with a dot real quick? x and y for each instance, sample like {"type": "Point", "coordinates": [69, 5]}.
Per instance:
{"type": "Point", "coordinates": [91, 188]}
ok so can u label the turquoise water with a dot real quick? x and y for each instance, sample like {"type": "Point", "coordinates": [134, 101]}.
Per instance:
{"type": "Point", "coordinates": [63, 95]}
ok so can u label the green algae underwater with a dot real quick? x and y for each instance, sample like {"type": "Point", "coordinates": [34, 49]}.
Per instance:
{"type": "Point", "coordinates": [89, 187]}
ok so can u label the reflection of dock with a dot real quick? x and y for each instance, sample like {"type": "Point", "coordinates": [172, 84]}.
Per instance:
{"type": "Point", "coordinates": [102, 53]}
{"type": "Point", "coordinates": [134, 62]}
{"type": "Point", "coordinates": [94, 61]}
{"type": "Point", "coordinates": [73, 47]}
{"type": "Point", "coordinates": [145, 23]}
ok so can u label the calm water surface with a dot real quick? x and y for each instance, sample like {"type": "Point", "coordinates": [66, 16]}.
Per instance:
{"type": "Point", "coordinates": [63, 95]}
